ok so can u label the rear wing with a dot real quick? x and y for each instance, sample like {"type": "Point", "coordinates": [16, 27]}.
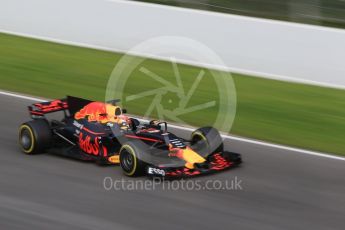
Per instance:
{"type": "Point", "coordinates": [40, 109]}
{"type": "Point", "coordinates": [69, 105]}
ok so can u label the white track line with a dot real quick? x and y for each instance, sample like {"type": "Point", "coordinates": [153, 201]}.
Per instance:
{"type": "Point", "coordinates": [229, 137]}
{"type": "Point", "coordinates": [22, 96]}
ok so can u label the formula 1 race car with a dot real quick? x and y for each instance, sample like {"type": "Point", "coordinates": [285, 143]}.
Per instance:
{"type": "Point", "coordinates": [97, 131]}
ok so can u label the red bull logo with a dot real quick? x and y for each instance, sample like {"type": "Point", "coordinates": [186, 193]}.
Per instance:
{"type": "Point", "coordinates": [88, 146]}
{"type": "Point", "coordinates": [91, 146]}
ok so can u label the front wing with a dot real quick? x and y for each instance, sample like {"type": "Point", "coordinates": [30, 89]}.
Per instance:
{"type": "Point", "coordinates": [215, 163]}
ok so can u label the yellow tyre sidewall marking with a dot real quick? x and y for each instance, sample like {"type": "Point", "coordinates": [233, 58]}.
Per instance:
{"type": "Point", "coordinates": [201, 135]}
{"type": "Point", "coordinates": [22, 128]}
{"type": "Point", "coordinates": [131, 151]}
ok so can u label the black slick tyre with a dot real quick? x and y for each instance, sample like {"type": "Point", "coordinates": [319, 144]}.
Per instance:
{"type": "Point", "coordinates": [207, 140]}
{"type": "Point", "coordinates": [35, 136]}
{"type": "Point", "coordinates": [130, 158]}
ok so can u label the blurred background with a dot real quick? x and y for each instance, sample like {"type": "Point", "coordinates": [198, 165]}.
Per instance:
{"type": "Point", "coordinates": [289, 79]}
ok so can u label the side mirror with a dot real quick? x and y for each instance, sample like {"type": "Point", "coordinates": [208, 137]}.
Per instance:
{"type": "Point", "coordinates": [124, 110]}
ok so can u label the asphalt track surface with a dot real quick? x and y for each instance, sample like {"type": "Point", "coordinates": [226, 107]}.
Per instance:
{"type": "Point", "coordinates": [281, 190]}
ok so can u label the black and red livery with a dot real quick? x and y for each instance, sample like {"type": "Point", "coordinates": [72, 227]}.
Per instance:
{"type": "Point", "coordinates": [101, 132]}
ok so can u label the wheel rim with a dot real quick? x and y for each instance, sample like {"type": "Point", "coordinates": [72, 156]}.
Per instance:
{"type": "Point", "coordinates": [25, 139]}
{"type": "Point", "coordinates": [127, 160]}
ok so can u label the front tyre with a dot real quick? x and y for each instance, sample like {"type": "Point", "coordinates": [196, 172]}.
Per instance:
{"type": "Point", "coordinates": [35, 136]}
{"type": "Point", "coordinates": [130, 161]}
{"type": "Point", "coordinates": [207, 140]}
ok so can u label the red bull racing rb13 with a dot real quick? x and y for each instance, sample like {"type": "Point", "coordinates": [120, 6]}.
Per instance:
{"type": "Point", "coordinates": [101, 132]}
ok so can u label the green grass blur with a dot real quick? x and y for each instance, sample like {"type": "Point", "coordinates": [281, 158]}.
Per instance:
{"type": "Point", "coordinates": [285, 113]}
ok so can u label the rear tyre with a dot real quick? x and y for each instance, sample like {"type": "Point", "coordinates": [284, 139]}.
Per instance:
{"type": "Point", "coordinates": [207, 140]}
{"type": "Point", "coordinates": [130, 158]}
{"type": "Point", "coordinates": [35, 136]}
